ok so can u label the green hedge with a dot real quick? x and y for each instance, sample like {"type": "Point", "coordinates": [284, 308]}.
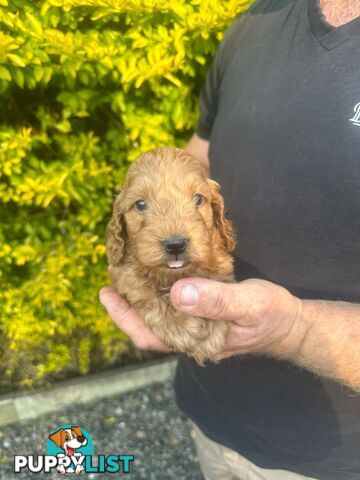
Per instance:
{"type": "Point", "coordinates": [85, 86]}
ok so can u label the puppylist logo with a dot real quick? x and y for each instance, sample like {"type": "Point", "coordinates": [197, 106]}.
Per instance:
{"type": "Point", "coordinates": [70, 450]}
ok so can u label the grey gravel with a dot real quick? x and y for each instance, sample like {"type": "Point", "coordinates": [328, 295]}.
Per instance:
{"type": "Point", "coordinates": [145, 423]}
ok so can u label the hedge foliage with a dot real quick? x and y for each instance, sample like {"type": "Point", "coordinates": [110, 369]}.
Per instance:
{"type": "Point", "coordinates": [85, 86]}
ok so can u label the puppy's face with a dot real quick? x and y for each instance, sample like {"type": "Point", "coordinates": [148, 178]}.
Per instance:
{"type": "Point", "coordinates": [166, 217]}
{"type": "Point", "coordinates": [69, 438]}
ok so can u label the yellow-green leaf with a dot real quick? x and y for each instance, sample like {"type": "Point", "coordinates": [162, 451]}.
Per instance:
{"type": "Point", "coordinates": [38, 73]}
{"type": "Point", "coordinates": [16, 59]}
{"type": "Point", "coordinates": [5, 74]}
{"type": "Point", "coordinates": [35, 23]}
{"type": "Point", "coordinates": [18, 77]}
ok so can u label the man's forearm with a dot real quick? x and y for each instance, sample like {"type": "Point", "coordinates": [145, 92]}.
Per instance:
{"type": "Point", "coordinates": [328, 335]}
{"type": "Point", "coordinates": [199, 148]}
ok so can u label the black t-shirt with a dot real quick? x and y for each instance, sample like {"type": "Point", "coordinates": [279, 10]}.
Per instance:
{"type": "Point", "coordinates": [281, 107]}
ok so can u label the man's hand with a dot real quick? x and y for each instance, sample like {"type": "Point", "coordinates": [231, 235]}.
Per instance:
{"type": "Point", "coordinates": [321, 336]}
{"type": "Point", "coordinates": [263, 317]}
{"type": "Point", "coordinates": [261, 314]}
{"type": "Point", "coordinates": [129, 322]}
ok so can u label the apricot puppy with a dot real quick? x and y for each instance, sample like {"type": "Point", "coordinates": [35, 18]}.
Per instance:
{"type": "Point", "coordinates": [168, 223]}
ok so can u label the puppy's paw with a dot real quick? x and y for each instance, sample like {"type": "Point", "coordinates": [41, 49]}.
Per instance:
{"type": "Point", "coordinates": [212, 345]}
{"type": "Point", "coordinates": [198, 337]}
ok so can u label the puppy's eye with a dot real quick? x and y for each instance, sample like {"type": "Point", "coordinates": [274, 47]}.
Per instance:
{"type": "Point", "coordinates": [140, 205]}
{"type": "Point", "coordinates": [198, 199]}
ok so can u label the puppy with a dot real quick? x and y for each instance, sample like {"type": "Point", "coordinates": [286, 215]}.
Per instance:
{"type": "Point", "coordinates": [69, 439]}
{"type": "Point", "coordinates": [168, 223]}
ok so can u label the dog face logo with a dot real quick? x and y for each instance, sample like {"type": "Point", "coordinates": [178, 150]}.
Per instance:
{"type": "Point", "coordinates": [68, 440]}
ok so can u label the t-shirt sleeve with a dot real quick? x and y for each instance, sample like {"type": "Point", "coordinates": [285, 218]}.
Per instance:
{"type": "Point", "coordinates": [209, 96]}
{"type": "Point", "coordinates": [210, 93]}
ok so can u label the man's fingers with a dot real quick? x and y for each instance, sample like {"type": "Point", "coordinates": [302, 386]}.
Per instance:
{"type": "Point", "coordinates": [238, 302]}
{"type": "Point", "coordinates": [128, 321]}
{"type": "Point", "coordinates": [205, 298]}
{"type": "Point", "coordinates": [226, 354]}
{"type": "Point", "coordinates": [118, 309]}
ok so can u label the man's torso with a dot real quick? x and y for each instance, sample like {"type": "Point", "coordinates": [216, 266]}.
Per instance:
{"type": "Point", "coordinates": [283, 146]}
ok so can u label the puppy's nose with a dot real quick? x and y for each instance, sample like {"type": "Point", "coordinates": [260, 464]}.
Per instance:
{"type": "Point", "coordinates": [175, 245]}
{"type": "Point", "coordinates": [81, 438]}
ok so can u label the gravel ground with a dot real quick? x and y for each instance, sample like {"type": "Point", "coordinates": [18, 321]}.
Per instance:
{"type": "Point", "coordinates": [145, 423]}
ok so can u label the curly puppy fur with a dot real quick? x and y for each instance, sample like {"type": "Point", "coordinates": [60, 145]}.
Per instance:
{"type": "Point", "coordinates": [168, 223]}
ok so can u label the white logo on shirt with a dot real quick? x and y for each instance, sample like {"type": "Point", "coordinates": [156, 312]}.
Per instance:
{"type": "Point", "coordinates": [356, 118]}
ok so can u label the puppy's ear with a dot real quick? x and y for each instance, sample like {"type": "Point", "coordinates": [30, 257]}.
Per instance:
{"type": "Point", "coordinates": [116, 233]}
{"type": "Point", "coordinates": [223, 226]}
{"type": "Point", "coordinates": [77, 430]}
{"type": "Point", "coordinates": [58, 438]}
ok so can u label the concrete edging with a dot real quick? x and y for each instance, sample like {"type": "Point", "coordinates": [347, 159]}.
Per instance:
{"type": "Point", "coordinates": [19, 407]}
